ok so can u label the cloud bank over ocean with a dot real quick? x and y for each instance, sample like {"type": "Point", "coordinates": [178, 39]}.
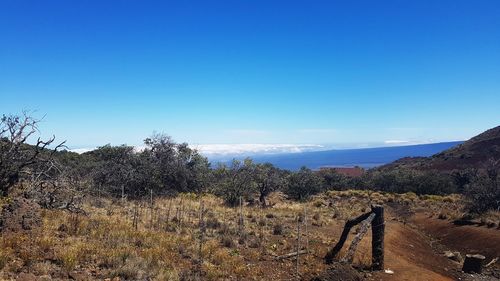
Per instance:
{"type": "Point", "coordinates": [239, 149]}
{"type": "Point", "coordinates": [235, 149]}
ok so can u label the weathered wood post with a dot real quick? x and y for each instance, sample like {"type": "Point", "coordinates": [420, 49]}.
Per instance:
{"type": "Point", "coordinates": [473, 263]}
{"type": "Point", "coordinates": [349, 257]}
{"type": "Point", "coordinates": [332, 254]}
{"type": "Point", "coordinates": [298, 249]}
{"type": "Point", "coordinates": [378, 229]}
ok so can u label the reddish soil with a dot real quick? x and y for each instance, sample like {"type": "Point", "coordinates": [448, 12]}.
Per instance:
{"type": "Point", "coordinates": [20, 215]}
{"type": "Point", "coordinates": [410, 255]}
{"type": "Point", "coordinates": [467, 239]}
{"type": "Point", "coordinates": [414, 250]}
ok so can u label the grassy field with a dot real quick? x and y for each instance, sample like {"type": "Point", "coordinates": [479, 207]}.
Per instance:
{"type": "Point", "coordinates": [198, 238]}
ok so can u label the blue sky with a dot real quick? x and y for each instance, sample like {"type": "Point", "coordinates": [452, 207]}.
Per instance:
{"type": "Point", "coordinates": [345, 73]}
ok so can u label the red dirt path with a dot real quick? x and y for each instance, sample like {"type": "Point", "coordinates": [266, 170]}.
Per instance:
{"type": "Point", "coordinates": [466, 238]}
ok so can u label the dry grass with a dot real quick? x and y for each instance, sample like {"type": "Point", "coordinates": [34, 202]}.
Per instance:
{"type": "Point", "coordinates": [165, 245]}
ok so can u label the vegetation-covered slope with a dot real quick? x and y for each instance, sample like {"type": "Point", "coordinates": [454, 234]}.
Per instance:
{"type": "Point", "coordinates": [474, 153]}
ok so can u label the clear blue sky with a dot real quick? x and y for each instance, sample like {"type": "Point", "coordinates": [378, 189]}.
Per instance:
{"type": "Point", "coordinates": [315, 72]}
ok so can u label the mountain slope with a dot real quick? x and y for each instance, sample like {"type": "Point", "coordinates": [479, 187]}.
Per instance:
{"type": "Point", "coordinates": [474, 153]}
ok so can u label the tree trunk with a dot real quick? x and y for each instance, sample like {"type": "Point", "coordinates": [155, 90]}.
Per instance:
{"type": "Point", "coordinates": [262, 199]}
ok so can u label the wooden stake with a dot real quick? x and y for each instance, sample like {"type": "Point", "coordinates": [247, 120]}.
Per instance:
{"type": "Point", "coordinates": [378, 229]}
{"type": "Point", "coordinates": [240, 220]}
{"type": "Point", "coordinates": [151, 206]}
{"type": "Point", "coordinates": [305, 229]}
{"type": "Point", "coordinates": [201, 225]}
{"type": "Point", "coordinates": [298, 250]}
{"type": "Point", "coordinates": [169, 208]}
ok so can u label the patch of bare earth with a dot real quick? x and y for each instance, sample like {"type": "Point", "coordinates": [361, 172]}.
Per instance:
{"type": "Point", "coordinates": [410, 256]}
{"type": "Point", "coordinates": [19, 216]}
{"type": "Point", "coordinates": [470, 239]}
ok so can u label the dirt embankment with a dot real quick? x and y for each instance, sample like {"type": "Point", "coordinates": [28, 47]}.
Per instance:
{"type": "Point", "coordinates": [467, 239]}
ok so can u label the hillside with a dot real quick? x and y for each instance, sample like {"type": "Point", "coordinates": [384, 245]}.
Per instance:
{"type": "Point", "coordinates": [366, 157]}
{"type": "Point", "coordinates": [473, 153]}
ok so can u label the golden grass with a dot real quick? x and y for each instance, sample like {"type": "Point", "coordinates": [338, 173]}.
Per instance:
{"type": "Point", "coordinates": [166, 243]}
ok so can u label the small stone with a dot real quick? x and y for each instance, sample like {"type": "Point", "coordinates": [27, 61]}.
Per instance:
{"type": "Point", "coordinates": [45, 278]}
{"type": "Point", "coordinates": [455, 256]}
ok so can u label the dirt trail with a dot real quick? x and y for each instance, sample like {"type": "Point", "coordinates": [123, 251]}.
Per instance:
{"type": "Point", "coordinates": [411, 257]}
{"type": "Point", "coordinates": [408, 252]}
{"type": "Point", "coordinates": [464, 238]}
{"type": "Point", "coordinates": [414, 246]}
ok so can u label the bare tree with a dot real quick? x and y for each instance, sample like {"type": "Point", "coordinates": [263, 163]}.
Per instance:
{"type": "Point", "coordinates": [17, 157]}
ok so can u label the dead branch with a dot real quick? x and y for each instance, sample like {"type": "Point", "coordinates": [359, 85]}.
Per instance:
{"type": "Point", "coordinates": [330, 256]}
{"type": "Point", "coordinates": [291, 255]}
{"type": "Point", "coordinates": [354, 244]}
{"type": "Point", "coordinates": [492, 262]}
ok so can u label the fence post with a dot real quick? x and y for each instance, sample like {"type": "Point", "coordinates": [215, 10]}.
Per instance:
{"type": "Point", "coordinates": [378, 229]}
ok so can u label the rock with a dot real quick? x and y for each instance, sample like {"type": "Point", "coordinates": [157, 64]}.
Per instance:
{"type": "Point", "coordinates": [45, 278]}
{"type": "Point", "coordinates": [26, 277]}
{"type": "Point", "coordinates": [21, 215]}
{"type": "Point", "coordinates": [455, 256]}
{"type": "Point", "coordinates": [473, 263]}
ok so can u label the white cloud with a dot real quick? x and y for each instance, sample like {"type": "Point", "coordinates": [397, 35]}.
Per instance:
{"type": "Point", "coordinates": [409, 142]}
{"type": "Point", "coordinates": [82, 150]}
{"type": "Point", "coordinates": [226, 149]}
{"type": "Point", "coordinates": [236, 149]}
{"type": "Point", "coordinates": [396, 142]}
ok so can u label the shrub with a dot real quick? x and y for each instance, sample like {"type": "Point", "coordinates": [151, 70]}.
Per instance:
{"type": "Point", "coordinates": [319, 203]}
{"type": "Point", "coordinates": [316, 216]}
{"type": "Point", "coordinates": [134, 268]}
{"type": "Point", "coordinates": [227, 242]}
{"type": "Point", "coordinates": [419, 182]}
{"type": "Point", "coordinates": [235, 182]}
{"type": "Point", "coordinates": [483, 193]}
{"type": "Point", "coordinates": [303, 184]}
{"type": "Point", "coordinates": [213, 223]}
{"type": "Point", "coordinates": [278, 229]}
